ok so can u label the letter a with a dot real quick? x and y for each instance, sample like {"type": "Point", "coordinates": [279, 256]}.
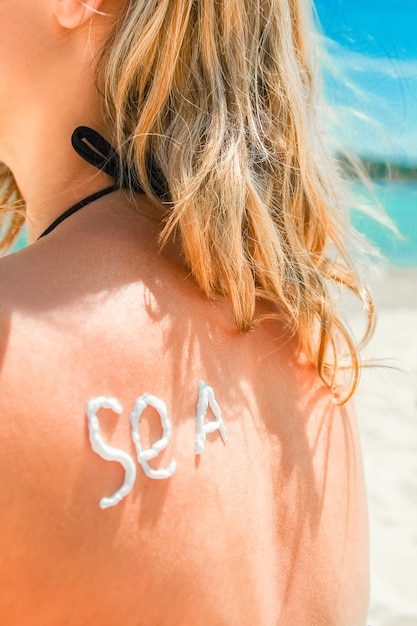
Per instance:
{"type": "Point", "coordinates": [205, 399]}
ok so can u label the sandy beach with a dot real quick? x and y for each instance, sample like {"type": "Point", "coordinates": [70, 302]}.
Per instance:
{"type": "Point", "coordinates": [386, 405]}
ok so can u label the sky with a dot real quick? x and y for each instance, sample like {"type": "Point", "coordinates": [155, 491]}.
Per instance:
{"type": "Point", "coordinates": [373, 47]}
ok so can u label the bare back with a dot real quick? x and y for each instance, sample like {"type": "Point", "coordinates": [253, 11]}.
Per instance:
{"type": "Point", "coordinates": [266, 528]}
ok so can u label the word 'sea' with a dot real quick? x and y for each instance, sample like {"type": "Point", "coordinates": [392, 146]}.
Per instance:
{"type": "Point", "coordinates": [206, 399]}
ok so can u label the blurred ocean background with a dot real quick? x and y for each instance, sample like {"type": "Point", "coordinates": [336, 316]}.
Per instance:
{"type": "Point", "coordinates": [398, 199]}
{"type": "Point", "coordinates": [371, 81]}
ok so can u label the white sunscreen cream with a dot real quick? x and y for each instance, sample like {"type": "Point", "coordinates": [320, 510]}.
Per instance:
{"type": "Point", "coordinates": [207, 399]}
{"type": "Point", "coordinates": [108, 453]}
{"type": "Point", "coordinates": [146, 455]}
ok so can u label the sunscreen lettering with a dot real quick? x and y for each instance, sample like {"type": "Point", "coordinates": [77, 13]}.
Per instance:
{"type": "Point", "coordinates": [146, 455]}
{"type": "Point", "coordinates": [108, 453]}
{"type": "Point", "coordinates": [207, 399]}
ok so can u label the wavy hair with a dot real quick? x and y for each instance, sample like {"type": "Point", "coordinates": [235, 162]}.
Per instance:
{"type": "Point", "coordinates": [223, 98]}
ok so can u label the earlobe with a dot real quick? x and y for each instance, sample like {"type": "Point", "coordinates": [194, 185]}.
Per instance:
{"type": "Point", "coordinates": [73, 13]}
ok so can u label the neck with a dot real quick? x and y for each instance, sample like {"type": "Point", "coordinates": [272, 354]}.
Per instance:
{"type": "Point", "coordinates": [51, 176]}
{"type": "Point", "coordinates": [36, 142]}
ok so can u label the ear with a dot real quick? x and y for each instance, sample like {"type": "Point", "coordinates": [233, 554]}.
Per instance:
{"type": "Point", "coordinates": [73, 13]}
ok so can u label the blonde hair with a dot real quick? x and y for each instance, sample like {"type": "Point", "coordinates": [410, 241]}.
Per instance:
{"type": "Point", "coordinates": [223, 99]}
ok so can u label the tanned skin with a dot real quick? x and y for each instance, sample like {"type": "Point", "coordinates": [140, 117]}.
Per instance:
{"type": "Point", "coordinates": [269, 528]}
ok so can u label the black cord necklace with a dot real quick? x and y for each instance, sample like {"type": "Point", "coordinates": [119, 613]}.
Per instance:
{"type": "Point", "coordinates": [94, 149]}
{"type": "Point", "coordinates": [77, 207]}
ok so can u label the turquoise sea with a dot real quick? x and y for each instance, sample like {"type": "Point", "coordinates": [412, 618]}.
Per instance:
{"type": "Point", "coordinates": [399, 201]}
{"type": "Point", "coordinates": [371, 80]}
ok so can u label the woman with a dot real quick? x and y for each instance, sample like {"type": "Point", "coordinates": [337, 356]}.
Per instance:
{"type": "Point", "coordinates": [196, 127]}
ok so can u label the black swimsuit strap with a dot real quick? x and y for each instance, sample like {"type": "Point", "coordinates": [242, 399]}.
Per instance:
{"type": "Point", "coordinates": [97, 151]}
{"type": "Point", "coordinates": [94, 149]}
{"type": "Point", "coordinates": [77, 207]}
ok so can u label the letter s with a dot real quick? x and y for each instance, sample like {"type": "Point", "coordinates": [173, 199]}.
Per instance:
{"type": "Point", "coordinates": [108, 453]}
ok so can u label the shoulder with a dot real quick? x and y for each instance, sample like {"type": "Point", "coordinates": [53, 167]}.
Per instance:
{"type": "Point", "coordinates": [291, 464]}
{"type": "Point", "coordinates": [63, 343]}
